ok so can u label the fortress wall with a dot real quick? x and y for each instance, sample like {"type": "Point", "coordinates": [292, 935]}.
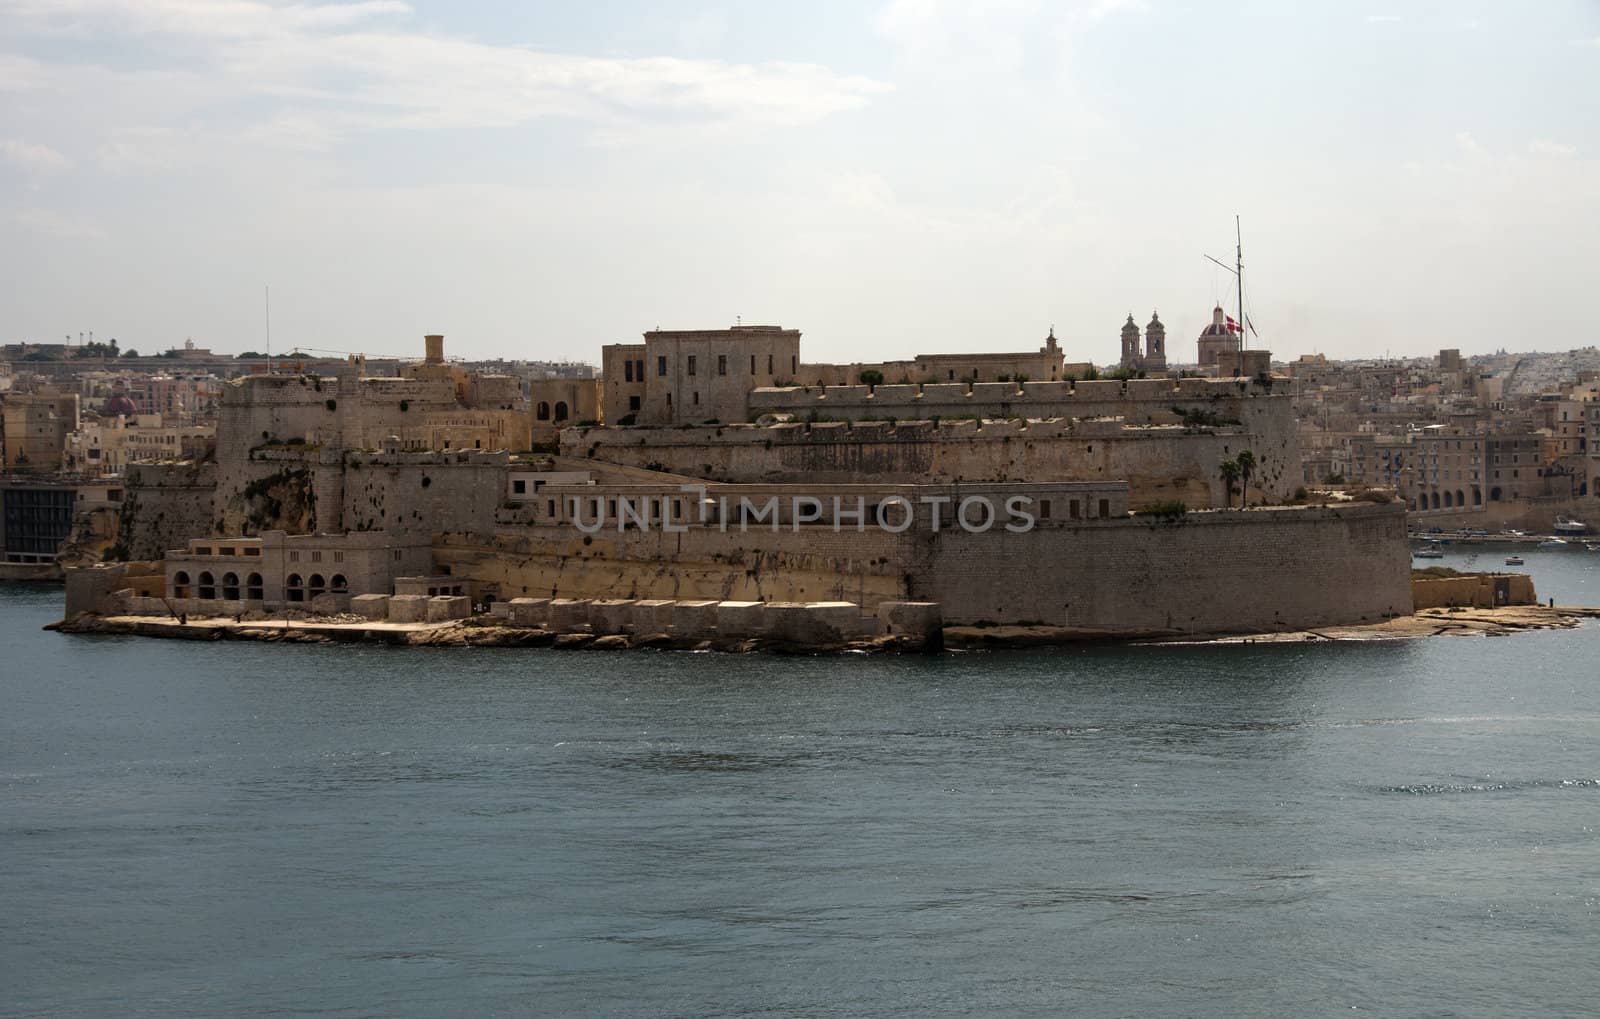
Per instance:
{"type": "Point", "coordinates": [702, 563]}
{"type": "Point", "coordinates": [1158, 463]}
{"type": "Point", "coordinates": [1242, 572]}
{"type": "Point", "coordinates": [420, 492]}
{"type": "Point", "coordinates": [1138, 401]}
{"type": "Point", "coordinates": [163, 506]}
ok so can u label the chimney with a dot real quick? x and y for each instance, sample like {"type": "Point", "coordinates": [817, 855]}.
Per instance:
{"type": "Point", "coordinates": [435, 348]}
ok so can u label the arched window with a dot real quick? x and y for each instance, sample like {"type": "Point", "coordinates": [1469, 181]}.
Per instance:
{"type": "Point", "coordinates": [339, 585]}
{"type": "Point", "coordinates": [1494, 494]}
{"type": "Point", "coordinates": [208, 585]}
{"type": "Point", "coordinates": [1477, 496]}
{"type": "Point", "coordinates": [253, 587]}
{"type": "Point", "coordinates": [316, 585]}
{"type": "Point", "coordinates": [295, 588]}
{"type": "Point", "coordinates": [230, 587]}
{"type": "Point", "coordinates": [561, 410]}
{"type": "Point", "coordinates": [1448, 503]}
{"type": "Point", "coordinates": [1436, 500]}
{"type": "Point", "coordinates": [544, 411]}
{"type": "Point", "coordinates": [180, 584]}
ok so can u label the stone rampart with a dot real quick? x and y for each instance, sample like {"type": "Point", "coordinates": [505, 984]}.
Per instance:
{"type": "Point", "coordinates": [1478, 590]}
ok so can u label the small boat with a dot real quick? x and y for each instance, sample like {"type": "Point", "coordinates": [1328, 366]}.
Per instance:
{"type": "Point", "coordinates": [1550, 543]}
{"type": "Point", "coordinates": [1567, 525]}
{"type": "Point", "coordinates": [1430, 552]}
{"type": "Point", "coordinates": [1514, 560]}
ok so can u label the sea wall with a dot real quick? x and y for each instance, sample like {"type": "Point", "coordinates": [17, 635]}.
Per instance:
{"type": "Point", "coordinates": [1209, 572]}
{"type": "Point", "coordinates": [1479, 591]}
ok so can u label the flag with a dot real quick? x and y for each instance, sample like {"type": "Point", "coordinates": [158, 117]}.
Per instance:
{"type": "Point", "coordinates": [1233, 327]}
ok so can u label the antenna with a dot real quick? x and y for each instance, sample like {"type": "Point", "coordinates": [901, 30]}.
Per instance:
{"type": "Point", "coordinates": [269, 328]}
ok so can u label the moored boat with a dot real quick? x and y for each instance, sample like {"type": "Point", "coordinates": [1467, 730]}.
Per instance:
{"type": "Point", "coordinates": [1552, 543]}
{"type": "Point", "coordinates": [1514, 560]}
{"type": "Point", "coordinates": [1567, 525]}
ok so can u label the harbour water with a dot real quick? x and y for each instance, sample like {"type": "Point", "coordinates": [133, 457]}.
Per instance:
{"type": "Point", "coordinates": [1398, 828]}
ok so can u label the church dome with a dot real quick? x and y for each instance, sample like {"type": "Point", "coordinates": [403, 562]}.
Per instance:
{"type": "Point", "coordinates": [119, 406]}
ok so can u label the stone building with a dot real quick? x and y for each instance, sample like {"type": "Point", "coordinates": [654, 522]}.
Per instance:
{"type": "Point", "coordinates": [275, 569]}
{"type": "Point", "coordinates": [36, 426]}
{"type": "Point", "coordinates": [558, 403]}
{"type": "Point", "coordinates": [684, 376]}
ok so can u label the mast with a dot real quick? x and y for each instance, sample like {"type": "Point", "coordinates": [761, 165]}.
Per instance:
{"type": "Point", "coordinates": [269, 329]}
{"type": "Point", "coordinates": [1238, 262]}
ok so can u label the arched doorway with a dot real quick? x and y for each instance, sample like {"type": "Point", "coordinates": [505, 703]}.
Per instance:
{"type": "Point", "coordinates": [338, 585]}
{"type": "Point", "coordinates": [253, 587]}
{"type": "Point", "coordinates": [1436, 500]}
{"type": "Point", "coordinates": [544, 411]}
{"type": "Point", "coordinates": [561, 410]}
{"type": "Point", "coordinates": [180, 584]}
{"type": "Point", "coordinates": [1447, 499]}
{"type": "Point", "coordinates": [1494, 494]}
{"type": "Point", "coordinates": [1477, 496]}
{"type": "Point", "coordinates": [295, 588]}
{"type": "Point", "coordinates": [230, 587]}
{"type": "Point", "coordinates": [316, 585]}
{"type": "Point", "coordinates": [208, 585]}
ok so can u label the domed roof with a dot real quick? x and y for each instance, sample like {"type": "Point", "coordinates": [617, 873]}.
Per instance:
{"type": "Point", "coordinates": [1215, 330]}
{"type": "Point", "coordinates": [119, 406]}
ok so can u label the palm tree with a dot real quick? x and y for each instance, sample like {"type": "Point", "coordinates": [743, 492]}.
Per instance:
{"type": "Point", "coordinates": [1247, 467]}
{"type": "Point", "coordinates": [1230, 474]}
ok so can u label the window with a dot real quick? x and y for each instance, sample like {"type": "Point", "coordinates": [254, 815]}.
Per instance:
{"type": "Point", "coordinates": [627, 371]}
{"type": "Point", "coordinates": [794, 363]}
{"type": "Point", "coordinates": [722, 364]}
{"type": "Point", "coordinates": [316, 556]}
{"type": "Point", "coordinates": [1044, 509]}
{"type": "Point", "coordinates": [697, 397]}
{"type": "Point", "coordinates": [396, 555]}
{"type": "Point", "coordinates": [639, 370]}
{"type": "Point", "coordinates": [520, 487]}
{"type": "Point", "coordinates": [752, 364]}
{"type": "Point", "coordinates": [561, 411]}
{"type": "Point", "coordinates": [633, 403]}
{"type": "Point", "coordinates": [769, 364]}
{"type": "Point", "coordinates": [252, 550]}
{"type": "Point", "coordinates": [294, 557]}
{"type": "Point", "coordinates": [661, 366]}
{"type": "Point", "coordinates": [552, 507]}
{"type": "Point", "coordinates": [225, 550]}
{"type": "Point", "coordinates": [338, 557]}
{"type": "Point", "coordinates": [691, 364]}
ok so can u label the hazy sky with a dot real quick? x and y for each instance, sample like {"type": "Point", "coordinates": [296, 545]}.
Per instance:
{"type": "Point", "coordinates": [891, 178]}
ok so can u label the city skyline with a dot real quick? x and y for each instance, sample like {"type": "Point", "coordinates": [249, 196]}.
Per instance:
{"type": "Point", "coordinates": [900, 177]}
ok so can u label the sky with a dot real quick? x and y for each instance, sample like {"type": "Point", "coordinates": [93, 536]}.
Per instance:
{"type": "Point", "coordinates": [891, 178]}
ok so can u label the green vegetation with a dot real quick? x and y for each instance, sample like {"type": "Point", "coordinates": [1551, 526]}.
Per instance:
{"type": "Point", "coordinates": [1169, 511]}
{"type": "Point", "coordinates": [871, 377]}
{"type": "Point", "coordinates": [1199, 417]}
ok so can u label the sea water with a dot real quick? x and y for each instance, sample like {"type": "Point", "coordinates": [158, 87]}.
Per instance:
{"type": "Point", "coordinates": [1397, 828]}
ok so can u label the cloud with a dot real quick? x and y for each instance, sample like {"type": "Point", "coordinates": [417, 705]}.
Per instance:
{"type": "Point", "coordinates": [57, 224]}
{"type": "Point", "coordinates": [1545, 147]}
{"type": "Point", "coordinates": [33, 158]}
{"type": "Point", "coordinates": [327, 72]}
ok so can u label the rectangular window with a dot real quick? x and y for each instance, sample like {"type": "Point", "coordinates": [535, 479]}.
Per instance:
{"type": "Point", "coordinates": [396, 555]}
{"type": "Point", "coordinates": [519, 487]}
{"type": "Point", "coordinates": [722, 364]}
{"type": "Point", "coordinates": [661, 366]}
{"type": "Point", "coordinates": [252, 551]}
{"type": "Point", "coordinates": [294, 557]}
{"type": "Point", "coordinates": [316, 557]}
{"type": "Point", "coordinates": [752, 364]}
{"type": "Point", "coordinates": [639, 370]}
{"type": "Point", "coordinates": [552, 507]}
{"type": "Point", "coordinates": [627, 371]}
{"type": "Point", "coordinates": [1105, 507]}
{"type": "Point", "coordinates": [691, 364]}
{"type": "Point", "coordinates": [1072, 509]}
{"type": "Point", "coordinates": [338, 557]}
{"type": "Point", "coordinates": [633, 403]}
{"type": "Point", "coordinates": [225, 550]}
{"type": "Point", "coordinates": [769, 364]}
{"type": "Point", "coordinates": [1044, 509]}
{"type": "Point", "coordinates": [697, 397]}
{"type": "Point", "coordinates": [794, 363]}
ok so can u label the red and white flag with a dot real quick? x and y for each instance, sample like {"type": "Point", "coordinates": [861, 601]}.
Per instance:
{"type": "Point", "coordinates": [1233, 327]}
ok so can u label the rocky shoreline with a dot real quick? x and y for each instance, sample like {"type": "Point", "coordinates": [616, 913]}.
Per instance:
{"type": "Point", "coordinates": [489, 632]}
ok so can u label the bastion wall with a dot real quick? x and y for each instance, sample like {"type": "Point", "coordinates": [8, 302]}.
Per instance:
{"type": "Point", "coordinates": [1160, 462]}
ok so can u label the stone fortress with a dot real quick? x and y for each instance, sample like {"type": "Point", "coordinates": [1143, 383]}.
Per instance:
{"type": "Point", "coordinates": [717, 466]}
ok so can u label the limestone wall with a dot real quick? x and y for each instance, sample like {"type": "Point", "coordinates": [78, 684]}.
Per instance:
{"type": "Point", "coordinates": [1480, 590]}
{"type": "Point", "coordinates": [1217, 572]}
{"type": "Point", "coordinates": [1239, 571]}
{"type": "Point", "coordinates": [1159, 462]}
